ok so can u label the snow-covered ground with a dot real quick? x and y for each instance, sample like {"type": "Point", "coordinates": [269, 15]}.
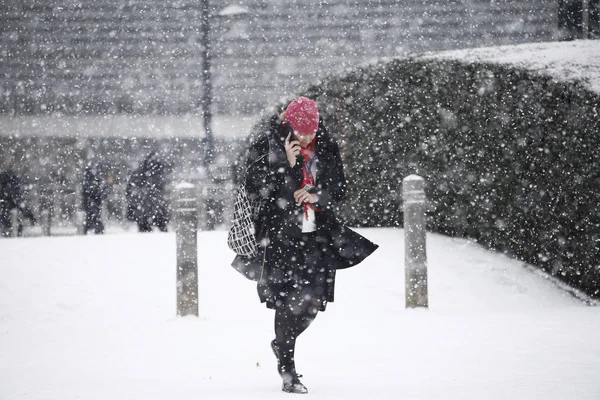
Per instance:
{"type": "Point", "coordinates": [94, 318]}
{"type": "Point", "coordinates": [575, 61]}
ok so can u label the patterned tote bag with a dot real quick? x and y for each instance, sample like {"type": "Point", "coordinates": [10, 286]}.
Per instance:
{"type": "Point", "coordinates": [242, 238]}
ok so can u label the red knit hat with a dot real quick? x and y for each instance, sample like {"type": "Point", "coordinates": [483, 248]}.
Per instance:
{"type": "Point", "coordinates": [303, 115]}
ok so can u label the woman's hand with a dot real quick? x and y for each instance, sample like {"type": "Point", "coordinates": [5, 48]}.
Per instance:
{"type": "Point", "coordinates": [292, 149]}
{"type": "Point", "coordinates": [302, 196]}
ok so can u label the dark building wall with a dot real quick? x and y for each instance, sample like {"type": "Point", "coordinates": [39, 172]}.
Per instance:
{"type": "Point", "coordinates": [571, 19]}
{"type": "Point", "coordinates": [143, 56]}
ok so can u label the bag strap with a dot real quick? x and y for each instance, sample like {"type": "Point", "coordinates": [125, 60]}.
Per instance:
{"type": "Point", "coordinates": [259, 159]}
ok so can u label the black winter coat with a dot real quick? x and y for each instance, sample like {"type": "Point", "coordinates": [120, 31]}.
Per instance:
{"type": "Point", "coordinates": [94, 190]}
{"type": "Point", "coordinates": [145, 191]}
{"type": "Point", "coordinates": [279, 222]}
{"type": "Point", "coordinates": [11, 197]}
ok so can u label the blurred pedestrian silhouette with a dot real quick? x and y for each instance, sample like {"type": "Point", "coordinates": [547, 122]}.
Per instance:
{"type": "Point", "coordinates": [11, 198]}
{"type": "Point", "coordinates": [96, 186]}
{"type": "Point", "coordinates": [145, 193]}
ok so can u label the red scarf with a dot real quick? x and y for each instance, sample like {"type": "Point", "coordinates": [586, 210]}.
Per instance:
{"type": "Point", "coordinates": [309, 153]}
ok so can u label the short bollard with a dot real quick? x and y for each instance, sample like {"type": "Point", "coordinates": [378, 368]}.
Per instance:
{"type": "Point", "coordinates": [186, 233]}
{"type": "Point", "coordinates": [14, 222]}
{"type": "Point", "coordinates": [46, 222]}
{"type": "Point", "coordinates": [80, 221]}
{"type": "Point", "coordinates": [415, 258]}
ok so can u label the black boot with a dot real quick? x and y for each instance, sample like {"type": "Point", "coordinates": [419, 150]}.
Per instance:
{"type": "Point", "coordinates": [291, 384]}
{"type": "Point", "coordinates": [287, 371]}
{"type": "Point", "coordinates": [280, 364]}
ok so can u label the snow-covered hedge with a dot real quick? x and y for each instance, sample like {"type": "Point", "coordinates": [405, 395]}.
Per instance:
{"type": "Point", "coordinates": [510, 156]}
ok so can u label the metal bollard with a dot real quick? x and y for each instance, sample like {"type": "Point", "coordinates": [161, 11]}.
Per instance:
{"type": "Point", "coordinates": [80, 221]}
{"type": "Point", "coordinates": [186, 233]}
{"type": "Point", "coordinates": [14, 222]}
{"type": "Point", "coordinates": [46, 222]}
{"type": "Point", "coordinates": [415, 257]}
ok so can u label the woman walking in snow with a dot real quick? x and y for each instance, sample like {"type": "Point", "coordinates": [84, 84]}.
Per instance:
{"type": "Point", "coordinates": [302, 242]}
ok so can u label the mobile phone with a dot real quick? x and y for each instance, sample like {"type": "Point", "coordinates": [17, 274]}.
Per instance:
{"type": "Point", "coordinates": [290, 131]}
{"type": "Point", "coordinates": [310, 188]}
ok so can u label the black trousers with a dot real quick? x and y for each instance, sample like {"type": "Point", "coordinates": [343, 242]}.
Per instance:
{"type": "Point", "coordinates": [299, 292]}
{"type": "Point", "coordinates": [290, 321]}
